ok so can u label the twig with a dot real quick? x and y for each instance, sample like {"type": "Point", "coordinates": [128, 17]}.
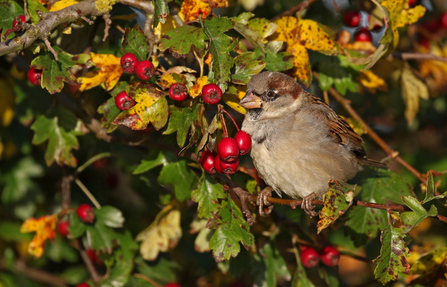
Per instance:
{"type": "Point", "coordinates": [418, 56]}
{"type": "Point", "coordinates": [174, 10]}
{"type": "Point", "coordinates": [90, 22]}
{"type": "Point", "coordinates": [90, 267]}
{"type": "Point", "coordinates": [147, 279]}
{"type": "Point", "coordinates": [294, 9]}
{"type": "Point", "coordinates": [372, 134]}
{"type": "Point", "coordinates": [66, 197]}
{"type": "Point", "coordinates": [222, 121]}
{"type": "Point", "coordinates": [48, 44]}
{"type": "Point", "coordinates": [108, 22]}
{"type": "Point", "coordinates": [88, 193]}
{"type": "Point", "coordinates": [38, 275]}
{"type": "Point", "coordinates": [92, 160]}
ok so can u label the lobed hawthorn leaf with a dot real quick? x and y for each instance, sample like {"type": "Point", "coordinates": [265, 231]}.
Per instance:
{"type": "Point", "coordinates": [364, 223]}
{"type": "Point", "coordinates": [245, 67]}
{"type": "Point", "coordinates": [267, 265]}
{"type": "Point", "coordinates": [207, 195]}
{"type": "Point", "coordinates": [77, 227]}
{"type": "Point", "coordinates": [100, 237]}
{"type": "Point", "coordinates": [180, 40]}
{"type": "Point", "coordinates": [255, 30]}
{"type": "Point", "coordinates": [109, 110]}
{"type": "Point", "coordinates": [154, 158]}
{"type": "Point", "coordinates": [120, 272]}
{"type": "Point", "coordinates": [134, 41]}
{"type": "Point", "coordinates": [335, 71]}
{"type": "Point", "coordinates": [9, 10]}
{"type": "Point", "coordinates": [55, 73]}
{"type": "Point", "coordinates": [60, 142]}
{"type": "Point", "coordinates": [428, 265]}
{"type": "Point", "coordinates": [336, 203]}
{"type": "Point", "coordinates": [392, 258]}
{"type": "Point", "coordinates": [110, 216]}
{"type": "Point", "coordinates": [431, 192]}
{"type": "Point", "coordinates": [220, 47]}
{"type": "Point", "coordinates": [33, 7]}
{"type": "Point", "coordinates": [274, 61]}
{"type": "Point", "coordinates": [180, 121]}
{"type": "Point", "coordinates": [418, 214]}
{"type": "Point", "coordinates": [161, 270]}
{"type": "Point", "coordinates": [231, 228]}
{"type": "Point", "coordinates": [179, 174]}
{"type": "Point", "coordinates": [151, 107]}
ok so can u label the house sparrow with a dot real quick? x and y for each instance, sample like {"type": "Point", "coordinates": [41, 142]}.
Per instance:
{"type": "Point", "coordinates": [298, 142]}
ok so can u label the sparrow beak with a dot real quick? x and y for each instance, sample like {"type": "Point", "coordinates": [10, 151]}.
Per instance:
{"type": "Point", "coordinates": [251, 101]}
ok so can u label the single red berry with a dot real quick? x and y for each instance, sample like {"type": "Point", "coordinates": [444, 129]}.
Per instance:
{"type": "Point", "coordinates": [83, 285]}
{"type": "Point", "coordinates": [207, 161]}
{"type": "Point", "coordinates": [129, 62]}
{"type": "Point", "coordinates": [145, 70]}
{"type": "Point", "coordinates": [62, 227]}
{"type": "Point", "coordinates": [309, 257]}
{"type": "Point", "coordinates": [123, 101]}
{"type": "Point", "coordinates": [443, 20]}
{"type": "Point", "coordinates": [217, 161]}
{"type": "Point", "coordinates": [86, 213]}
{"type": "Point", "coordinates": [412, 3]}
{"type": "Point", "coordinates": [93, 256]}
{"type": "Point", "coordinates": [330, 256]}
{"type": "Point", "coordinates": [172, 285]}
{"type": "Point", "coordinates": [243, 141]}
{"type": "Point", "coordinates": [229, 167]}
{"type": "Point", "coordinates": [15, 22]}
{"type": "Point", "coordinates": [34, 76]}
{"type": "Point", "coordinates": [228, 149]}
{"type": "Point", "coordinates": [363, 35]}
{"type": "Point", "coordinates": [178, 92]}
{"type": "Point", "coordinates": [351, 18]}
{"type": "Point", "coordinates": [211, 94]}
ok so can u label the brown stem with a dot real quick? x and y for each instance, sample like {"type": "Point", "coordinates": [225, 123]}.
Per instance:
{"type": "Point", "coordinates": [66, 197]}
{"type": "Point", "coordinates": [90, 267]}
{"type": "Point", "coordinates": [418, 56]}
{"type": "Point", "coordinates": [234, 122]}
{"type": "Point", "coordinates": [222, 120]}
{"type": "Point", "coordinates": [108, 22]}
{"type": "Point", "coordinates": [50, 48]}
{"type": "Point", "coordinates": [294, 9]}
{"type": "Point", "coordinates": [372, 134]}
{"type": "Point", "coordinates": [147, 279]}
{"type": "Point", "coordinates": [38, 275]}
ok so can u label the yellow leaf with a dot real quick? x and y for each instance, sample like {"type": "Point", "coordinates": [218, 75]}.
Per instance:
{"type": "Point", "coordinates": [400, 13]}
{"type": "Point", "coordinates": [412, 89]}
{"type": "Point", "coordinates": [317, 37]}
{"type": "Point", "coordinates": [161, 28]}
{"type": "Point", "coordinates": [301, 65]}
{"type": "Point", "coordinates": [167, 80]}
{"type": "Point", "coordinates": [372, 82]}
{"type": "Point", "coordinates": [59, 5]}
{"type": "Point", "coordinates": [108, 74]}
{"type": "Point", "coordinates": [429, 263]}
{"type": "Point", "coordinates": [233, 102]}
{"type": "Point", "coordinates": [365, 47]}
{"type": "Point", "coordinates": [145, 95]}
{"type": "Point", "coordinates": [162, 234]}
{"type": "Point", "coordinates": [67, 31]}
{"type": "Point", "coordinates": [286, 30]}
{"type": "Point", "coordinates": [191, 9]}
{"type": "Point", "coordinates": [196, 90]}
{"type": "Point", "coordinates": [45, 229]}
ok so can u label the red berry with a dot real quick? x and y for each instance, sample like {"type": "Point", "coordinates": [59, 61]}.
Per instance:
{"type": "Point", "coordinates": [34, 76]}
{"type": "Point", "coordinates": [62, 227]}
{"type": "Point", "coordinates": [128, 62]}
{"type": "Point", "coordinates": [145, 70]}
{"type": "Point", "coordinates": [243, 141]}
{"type": "Point", "coordinates": [228, 149]}
{"type": "Point", "coordinates": [309, 257]}
{"type": "Point", "coordinates": [100, 164]}
{"type": "Point", "coordinates": [178, 92]}
{"type": "Point", "coordinates": [351, 18]}
{"type": "Point", "coordinates": [207, 161]}
{"type": "Point", "coordinates": [363, 35]}
{"type": "Point", "coordinates": [93, 256]}
{"type": "Point", "coordinates": [15, 22]}
{"type": "Point", "coordinates": [172, 285]}
{"type": "Point", "coordinates": [412, 3]}
{"type": "Point", "coordinates": [83, 285]}
{"type": "Point", "coordinates": [211, 94]}
{"type": "Point", "coordinates": [443, 20]}
{"type": "Point", "coordinates": [123, 101]}
{"type": "Point", "coordinates": [217, 161]}
{"type": "Point", "coordinates": [330, 256]}
{"type": "Point", "coordinates": [424, 43]}
{"type": "Point", "coordinates": [86, 213]}
{"type": "Point", "coordinates": [229, 167]}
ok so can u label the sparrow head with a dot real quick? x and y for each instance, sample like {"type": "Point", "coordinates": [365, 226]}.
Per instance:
{"type": "Point", "coordinates": [271, 95]}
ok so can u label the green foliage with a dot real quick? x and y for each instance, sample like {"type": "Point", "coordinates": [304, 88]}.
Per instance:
{"type": "Point", "coordinates": [180, 40]}
{"type": "Point", "coordinates": [9, 10]}
{"type": "Point", "coordinates": [134, 42]}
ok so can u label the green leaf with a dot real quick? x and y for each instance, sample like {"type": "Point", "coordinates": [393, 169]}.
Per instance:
{"type": "Point", "coordinates": [392, 258]}
{"type": "Point", "coordinates": [364, 223]}
{"type": "Point", "coordinates": [75, 275]}
{"type": "Point", "coordinates": [245, 67]}
{"type": "Point", "coordinates": [77, 227]}
{"type": "Point", "coordinates": [220, 47]}
{"type": "Point", "coordinates": [231, 228]}
{"type": "Point", "coordinates": [333, 73]}
{"type": "Point", "coordinates": [9, 10]}
{"type": "Point", "coordinates": [414, 218]}
{"type": "Point", "coordinates": [120, 272]}
{"type": "Point", "coordinates": [180, 40]}
{"type": "Point", "coordinates": [60, 250]}
{"type": "Point", "coordinates": [10, 232]}
{"type": "Point", "coordinates": [274, 61]}
{"type": "Point", "coordinates": [207, 195]}
{"type": "Point", "coordinates": [135, 42]}
{"type": "Point", "coordinates": [274, 264]}
{"type": "Point", "coordinates": [161, 270]}
{"type": "Point", "coordinates": [55, 73]}
{"type": "Point", "coordinates": [33, 7]}
{"type": "Point", "coordinates": [180, 121]}
{"type": "Point", "coordinates": [161, 11]}
{"type": "Point", "coordinates": [109, 110]}
{"type": "Point", "coordinates": [60, 142]}
{"type": "Point", "coordinates": [155, 158]}
{"type": "Point", "coordinates": [17, 181]}
{"type": "Point", "coordinates": [100, 237]}
{"type": "Point", "coordinates": [110, 216]}
{"type": "Point", "coordinates": [336, 203]}
{"type": "Point", "coordinates": [300, 277]}
{"type": "Point", "coordinates": [179, 174]}
{"type": "Point", "coordinates": [431, 192]}
{"type": "Point", "coordinates": [427, 266]}
{"type": "Point", "coordinates": [255, 30]}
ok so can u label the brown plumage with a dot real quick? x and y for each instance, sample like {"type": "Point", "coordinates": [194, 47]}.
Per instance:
{"type": "Point", "coordinates": [298, 142]}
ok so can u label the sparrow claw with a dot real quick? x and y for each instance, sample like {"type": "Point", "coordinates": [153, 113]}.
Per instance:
{"type": "Point", "coordinates": [263, 202]}
{"type": "Point", "coordinates": [307, 205]}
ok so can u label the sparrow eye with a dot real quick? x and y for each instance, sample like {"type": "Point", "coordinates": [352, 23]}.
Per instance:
{"type": "Point", "coordinates": [270, 94]}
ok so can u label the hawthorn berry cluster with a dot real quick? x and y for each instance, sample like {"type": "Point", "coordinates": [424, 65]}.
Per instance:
{"type": "Point", "coordinates": [363, 34]}
{"type": "Point", "coordinates": [328, 255]}
{"type": "Point", "coordinates": [144, 70]}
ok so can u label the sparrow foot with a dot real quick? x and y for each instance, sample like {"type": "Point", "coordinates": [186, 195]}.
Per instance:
{"type": "Point", "coordinates": [263, 202]}
{"type": "Point", "coordinates": [307, 205]}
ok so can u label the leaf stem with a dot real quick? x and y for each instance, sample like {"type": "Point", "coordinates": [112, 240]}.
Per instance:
{"type": "Point", "coordinates": [88, 193]}
{"type": "Point", "coordinates": [92, 160]}
{"type": "Point", "coordinates": [234, 122]}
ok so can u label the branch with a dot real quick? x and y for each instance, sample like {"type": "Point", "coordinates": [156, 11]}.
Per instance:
{"type": "Point", "coordinates": [418, 56]}
{"type": "Point", "coordinates": [372, 134]}
{"type": "Point", "coordinates": [38, 275]}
